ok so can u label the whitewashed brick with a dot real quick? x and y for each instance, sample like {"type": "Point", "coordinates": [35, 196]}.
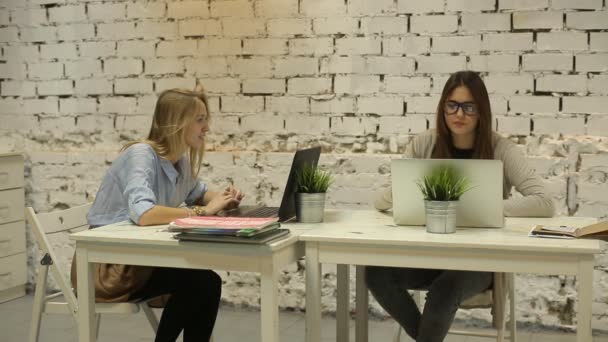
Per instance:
{"type": "Point", "coordinates": [507, 41]}
{"type": "Point", "coordinates": [385, 25]}
{"type": "Point", "coordinates": [557, 125]}
{"type": "Point", "coordinates": [494, 63]}
{"type": "Point", "coordinates": [49, 105]}
{"type": "Point", "coordinates": [513, 125]}
{"type": "Point", "coordinates": [547, 62]}
{"type": "Point", "coordinates": [18, 123]}
{"type": "Point", "coordinates": [295, 66]}
{"type": "Point", "coordinates": [339, 25]}
{"type": "Point", "coordinates": [430, 6]}
{"type": "Point", "coordinates": [323, 8]}
{"type": "Point", "coordinates": [83, 68]}
{"type": "Point", "coordinates": [353, 125]}
{"type": "Point", "coordinates": [309, 85]}
{"type": "Point", "coordinates": [95, 123]}
{"type": "Point", "coordinates": [22, 53]}
{"type": "Point", "coordinates": [28, 16]}
{"type": "Point", "coordinates": [263, 122]}
{"type": "Point", "coordinates": [67, 14]}
{"type": "Point", "coordinates": [161, 66]}
{"type": "Point", "coordinates": [389, 65]}
{"type": "Point", "coordinates": [598, 84]}
{"type": "Point", "coordinates": [219, 47]}
{"type": "Point", "coordinates": [289, 27]}
{"type": "Point", "coordinates": [434, 24]}
{"type": "Point", "coordinates": [146, 10]}
{"type": "Point", "coordinates": [4, 18]}
{"type": "Point", "coordinates": [287, 104]}
{"type": "Point", "coordinates": [77, 105]}
{"type": "Point", "coordinates": [476, 22]}
{"type": "Point", "coordinates": [358, 46]}
{"type": "Point", "coordinates": [597, 20]}
{"type": "Point", "coordinates": [250, 67]}
{"type": "Point", "coordinates": [402, 124]}
{"type": "Point", "coordinates": [538, 20]}
{"type": "Point", "coordinates": [107, 12]}
{"type": "Point", "coordinates": [263, 86]}
{"type": "Point", "coordinates": [153, 30]}
{"type": "Point", "coordinates": [334, 105]}
{"type": "Point", "coordinates": [407, 85]}
{"type": "Point", "coordinates": [195, 28]}
{"type": "Point", "coordinates": [311, 125]}
{"type": "Point", "coordinates": [45, 71]}
{"type": "Point", "coordinates": [222, 85]}
{"type": "Point", "coordinates": [136, 48]}
{"type": "Point", "coordinates": [370, 8]}
{"type": "Point", "coordinates": [585, 105]}
{"type": "Point", "coordinates": [441, 63]}
{"type": "Point", "coordinates": [276, 9]}
{"type": "Point", "coordinates": [567, 41]}
{"type": "Point", "coordinates": [382, 105]}
{"type": "Point", "coordinates": [242, 104]}
{"type": "Point", "coordinates": [509, 84]}
{"type": "Point", "coordinates": [599, 41]}
{"type": "Point", "coordinates": [117, 104]}
{"type": "Point", "coordinates": [264, 46]}
{"type": "Point", "coordinates": [212, 66]}
{"type": "Point", "coordinates": [407, 46]}
{"type": "Point", "coordinates": [357, 84]}
{"type": "Point", "coordinates": [116, 31]}
{"type": "Point", "coordinates": [123, 67]}
{"type": "Point", "coordinates": [596, 62]}
{"type": "Point", "coordinates": [225, 124]}
{"type": "Point", "coordinates": [597, 125]}
{"type": "Point", "coordinates": [421, 104]}
{"type": "Point", "coordinates": [188, 9]}
{"type": "Point", "coordinates": [176, 48]}
{"type": "Point", "coordinates": [343, 65]}
{"type": "Point", "coordinates": [470, 5]}
{"type": "Point", "coordinates": [146, 105]}
{"type": "Point", "coordinates": [79, 32]}
{"type": "Point", "coordinates": [59, 51]}
{"type": "Point", "coordinates": [232, 8]}
{"type": "Point", "coordinates": [97, 49]}
{"type": "Point", "coordinates": [11, 106]}
{"type": "Point", "coordinates": [523, 4]}
{"type": "Point", "coordinates": [468, 44]}
{"type": "Point", "coordinates": [31, 34]}
{"type": "Point", "coordinates": [498, 103]}
{"type": "Point", "coordinates": [243, 27]}
{"type": "Point", "coordinates": [576, 4]}
{"type": "Point", "coordinates": [533, 104]}
{"type": "Point", "coordinates": [437, 83]}
{"type": "Point", "coordinates": [14, 71]}
{"type": "Point", "coordinates": [132, 86]}
{"type": "Point", "coordinates": [10, 34]}
{"type": "Point", "coordinates": [93, 86]}
{"type": "Point", "coordinates": [562, 83]}
{"type": "Point", "coordinates": [60, 87]}
{"type": "Point", "coordinates": [311, 46]}
{"type": "Point", "coordinates": [57, 124]}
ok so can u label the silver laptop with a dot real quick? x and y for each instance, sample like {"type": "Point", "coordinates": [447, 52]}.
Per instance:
{"type": "Point", "coordinates": [481, 206]}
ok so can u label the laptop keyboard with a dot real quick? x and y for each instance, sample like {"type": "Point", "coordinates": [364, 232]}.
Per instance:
{"type": "Point", "coordinates": [263, 212]}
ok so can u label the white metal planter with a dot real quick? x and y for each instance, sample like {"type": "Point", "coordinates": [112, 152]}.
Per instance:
{"type": "Point", "coordinates": [441, 216]}
{"type": "Point", "coordinates": [310, 207]}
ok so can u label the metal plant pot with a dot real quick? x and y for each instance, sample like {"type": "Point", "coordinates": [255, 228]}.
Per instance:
{"type": "Point", "coordinates": [441, 216]}
{"type": "Point", "coordinates": [310, 207]}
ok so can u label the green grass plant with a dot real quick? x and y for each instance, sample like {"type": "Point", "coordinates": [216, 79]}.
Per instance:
{"type": "Point", "coordinates": [312, 180]}
{"type": "Point", "coordinates": [444, 183]}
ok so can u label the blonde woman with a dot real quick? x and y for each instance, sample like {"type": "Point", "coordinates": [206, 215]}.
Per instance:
{"type": "Point", "coordinates": [146, 184]}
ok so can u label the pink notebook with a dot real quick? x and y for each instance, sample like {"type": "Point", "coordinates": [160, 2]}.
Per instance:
{"type": "Point", "coordinates": [216, 222]}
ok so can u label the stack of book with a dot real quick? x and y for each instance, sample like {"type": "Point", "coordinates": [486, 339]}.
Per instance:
{"type": "Point", "coordinates": [228, 229]}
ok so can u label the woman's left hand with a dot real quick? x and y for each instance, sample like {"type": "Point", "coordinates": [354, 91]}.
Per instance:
{"type": "Point", "coordinates": [236, 194]}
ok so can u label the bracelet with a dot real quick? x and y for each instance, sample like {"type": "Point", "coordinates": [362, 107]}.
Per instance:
{"type": "Point", "coordinates": [199, 210]}
{"type": "Point", "coordinates": [188, 212]}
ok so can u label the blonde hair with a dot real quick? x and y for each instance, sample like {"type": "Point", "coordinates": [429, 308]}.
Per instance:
{"type": "Point", "coordinates": [175, 110]}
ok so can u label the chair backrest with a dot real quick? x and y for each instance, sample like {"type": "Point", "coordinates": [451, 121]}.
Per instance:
{"type": "Point", "coordinates": [69, 220]}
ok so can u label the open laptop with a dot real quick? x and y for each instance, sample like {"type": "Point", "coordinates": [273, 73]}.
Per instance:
{"type": "Point", "coordinates": [481, 206]}
{"type": "Point", "coordinates": [287, 210]}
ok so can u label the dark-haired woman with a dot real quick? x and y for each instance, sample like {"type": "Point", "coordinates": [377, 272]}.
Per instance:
{"type": "Point", "coordinates": [463, 131]}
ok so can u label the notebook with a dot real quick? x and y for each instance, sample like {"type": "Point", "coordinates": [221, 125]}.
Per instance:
{"type": "Point", "coordinates": [257, 239]}
{"type": "Point", "coordinates": [481, 206]}
{"type": "Point", "coordinates": [287, 210]}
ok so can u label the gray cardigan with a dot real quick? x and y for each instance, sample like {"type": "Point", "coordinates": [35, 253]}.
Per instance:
{"type": "Point", "coordinates": [535, 201]}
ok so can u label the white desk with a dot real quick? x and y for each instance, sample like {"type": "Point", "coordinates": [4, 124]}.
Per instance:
{"type": "Point", "coordinates": [370, 238]}
{"type": "Point", "coordinates": [124, 243]}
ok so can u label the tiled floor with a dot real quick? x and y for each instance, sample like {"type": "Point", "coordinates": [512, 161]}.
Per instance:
{"type": "Point", "coordinates": [233, 325]}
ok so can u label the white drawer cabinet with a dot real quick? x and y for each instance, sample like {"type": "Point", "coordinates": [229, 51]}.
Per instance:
{"type": "Point", "coordinates": [13, 267]}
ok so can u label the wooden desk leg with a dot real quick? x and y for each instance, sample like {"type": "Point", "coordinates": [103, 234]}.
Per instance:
{"type": "Point", "coordinates": [270, 303]}
{"type": "Point", "coordinates": [313, 293]}
{"type": "Point", "coordinates": [343, 303]}
{"type": "Point", "coordinates": [585, 297]}
{"type": "Point", "coordinates": [362, 304]}
{"type": "Point", "coordinates": [86, 297]}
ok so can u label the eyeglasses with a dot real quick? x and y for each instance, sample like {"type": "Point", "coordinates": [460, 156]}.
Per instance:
{"type": "Point", "coordinates": [468, 108]}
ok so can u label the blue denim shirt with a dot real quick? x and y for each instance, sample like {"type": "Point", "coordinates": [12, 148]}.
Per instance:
{"type": "Point", "coordinates": [140, 179]}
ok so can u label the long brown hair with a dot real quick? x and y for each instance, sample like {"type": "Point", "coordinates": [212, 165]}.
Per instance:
{"type": "Point", "coordinates": [482, 148]}
{"type": "Point", "coordinates": [175, 110]}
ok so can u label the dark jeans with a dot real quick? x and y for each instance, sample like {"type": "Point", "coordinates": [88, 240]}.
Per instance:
{"type": "Point", "coordinates": [446, 290]}
{"type": "Point", "coordinates": [192, 307]}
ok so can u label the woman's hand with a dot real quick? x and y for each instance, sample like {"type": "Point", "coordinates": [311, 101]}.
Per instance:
{"type": "Point", "coordinates": [221, 201]}
{"type": "Point", "coordinates": [235, 194]}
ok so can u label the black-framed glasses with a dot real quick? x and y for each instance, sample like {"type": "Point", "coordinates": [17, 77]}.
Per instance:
{"type": "Point", "coordinates": [468, 108]}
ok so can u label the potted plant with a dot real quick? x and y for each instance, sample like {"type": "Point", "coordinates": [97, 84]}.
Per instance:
{"type": "Point", "coordinates": [312, 184]}
{"type": "Point", "coordinates": [442, 189]}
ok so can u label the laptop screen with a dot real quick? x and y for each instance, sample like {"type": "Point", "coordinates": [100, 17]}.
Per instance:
{"type": "Point", "coordinates": [308, 156]}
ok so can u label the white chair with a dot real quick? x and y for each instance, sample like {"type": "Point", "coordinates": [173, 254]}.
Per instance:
{"type": "Point", "coordinates": [69, 220]}
{"type": "Point", "coordinates": [495, 299]}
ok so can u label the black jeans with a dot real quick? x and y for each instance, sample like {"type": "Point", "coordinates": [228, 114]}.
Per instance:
{"type": "Point", "coordinates": [192, 307]}
{"type": "Point", "coordinates": [446, 290]}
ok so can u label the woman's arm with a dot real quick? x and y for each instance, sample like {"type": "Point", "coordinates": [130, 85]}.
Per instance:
{"type": "Point", "coordinates": [159, 214]}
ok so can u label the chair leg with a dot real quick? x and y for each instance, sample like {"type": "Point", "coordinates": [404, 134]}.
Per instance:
{"type": "Point", "coordinates": [150, 316]}
{"type": "Point", "coordinates": [97, 325]}
{"type": "Point", "coordinates": [39, 299]}
{"type": "Point", "coordinates": [512, 317]}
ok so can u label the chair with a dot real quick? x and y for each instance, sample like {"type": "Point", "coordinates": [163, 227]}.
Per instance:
{"type": "Point", "coordinates": [496, 299]}
{"type": "Point", "coordinates": [69, 220]}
